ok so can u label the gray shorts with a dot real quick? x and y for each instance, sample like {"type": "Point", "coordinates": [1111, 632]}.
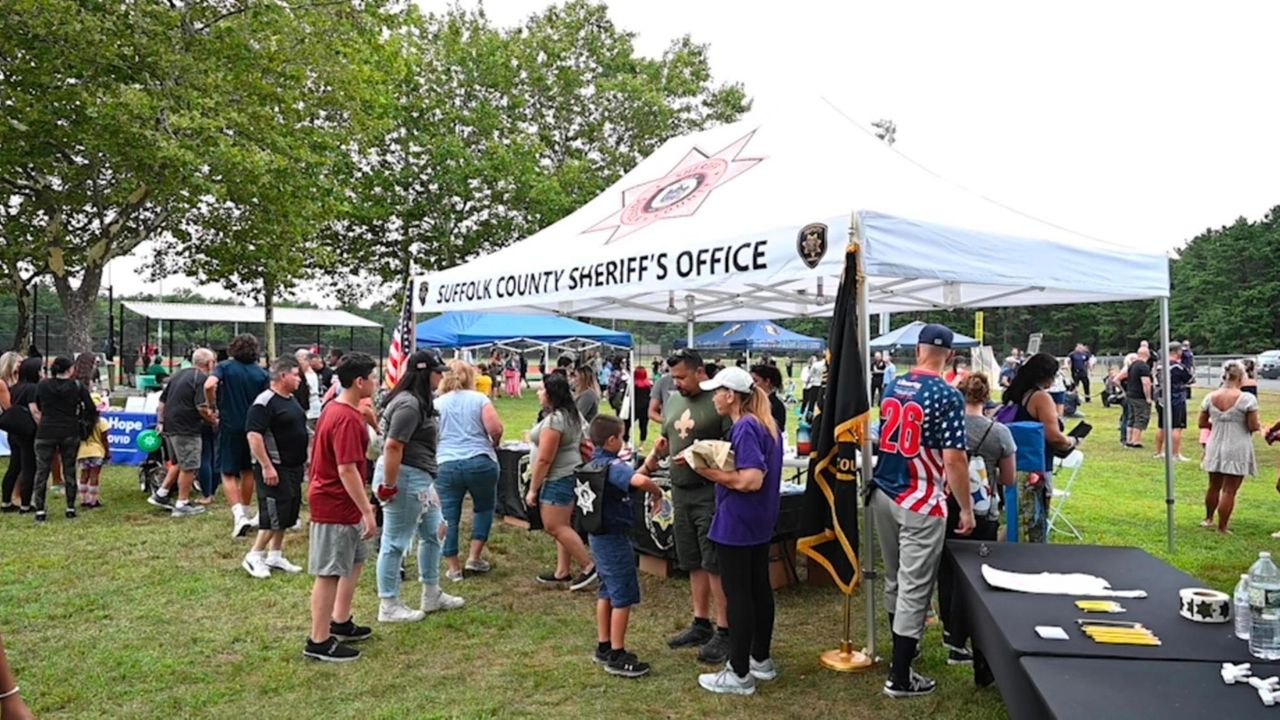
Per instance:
{"type": "Point", "coordinates": [335, 549]}
{"type": "Point", "coordinates": [185, 451]}
{"type": "Point", "coordinates": [1139, 413]}
{"type": "Point", "coordinates": [693, 509]}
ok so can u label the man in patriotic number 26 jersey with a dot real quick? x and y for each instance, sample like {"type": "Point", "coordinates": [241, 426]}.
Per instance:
{"type": "Point", "coordinates": [921, 447]}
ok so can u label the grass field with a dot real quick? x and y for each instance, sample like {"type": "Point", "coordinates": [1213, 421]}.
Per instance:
{"type": "Point", "coordinates": [126, 612]}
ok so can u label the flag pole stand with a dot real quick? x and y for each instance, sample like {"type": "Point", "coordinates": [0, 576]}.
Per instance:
{"type": "Point", "coordinates": [846, 659]}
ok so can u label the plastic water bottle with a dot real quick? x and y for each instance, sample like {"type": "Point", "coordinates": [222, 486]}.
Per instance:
{"type": "Point", "coordinates": [1264, 607]}
{"type": "Point", "coordinates": [1240, 607]}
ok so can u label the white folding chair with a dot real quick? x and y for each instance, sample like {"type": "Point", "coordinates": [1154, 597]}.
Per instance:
{"type": "Point", "coordinates": [1061, 494]}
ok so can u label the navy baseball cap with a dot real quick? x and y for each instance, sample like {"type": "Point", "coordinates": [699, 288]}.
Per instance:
{"type": "Point", "coordinates": [936, 335]}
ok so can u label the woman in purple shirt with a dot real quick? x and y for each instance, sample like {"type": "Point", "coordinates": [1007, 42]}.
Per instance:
{"type": "Point", "coordinates": [747, 500]}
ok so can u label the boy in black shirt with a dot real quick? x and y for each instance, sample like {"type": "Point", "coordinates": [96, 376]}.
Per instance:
{"type": "Point", "coordinates": [276, 429]}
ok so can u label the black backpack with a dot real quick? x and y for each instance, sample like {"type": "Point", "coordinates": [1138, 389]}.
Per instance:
{"type": "Point", "coordinates": [589, 482]}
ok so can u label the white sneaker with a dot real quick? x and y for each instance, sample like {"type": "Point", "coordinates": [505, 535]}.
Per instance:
{"type": "Point", "coordinates": [434, 599]}
{"type": "Point", "coordinates": [480, 566]}
{"type": "Point", "coordinates": [454, 575]}
{"type": "Point", "coordinates": [393, 610]}
{"type": "Point", "coordinates": [763, 669]}
{"type": "Point", "coordinates": [256, 567]}
{"type": "Point", "coordinates": [241, 527]}
{"type": "Point", "coordinates": [727, 682]}
{"type": "Point", "coordinates": [1182, 458]}
{"type": "Point", "coordinates": [280, 562]}
{"type": "Point", "coordinates": [253, 521]}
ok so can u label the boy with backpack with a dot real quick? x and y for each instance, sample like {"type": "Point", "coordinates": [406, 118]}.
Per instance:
{"type": "Point", "coordinates": [610, 536]}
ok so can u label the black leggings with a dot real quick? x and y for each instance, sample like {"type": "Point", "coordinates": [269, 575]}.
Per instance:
{"type": "Point", "coordinates": [744, 573]}
{"type": "Point", "coordinates": [22, 466]}
{"type": "Point", "coordinates": [642, 412]}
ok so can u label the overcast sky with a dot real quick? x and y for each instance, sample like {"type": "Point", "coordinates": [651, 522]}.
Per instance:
{"type": "Point", "coordinates": [1140, 123]}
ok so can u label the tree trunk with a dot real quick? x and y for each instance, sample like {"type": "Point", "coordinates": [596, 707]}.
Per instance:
{"type": "Point", "coordinates": [78, 306]}
{"type": "Point", "coordinates": [269, 317]}
{"type": "Point", "coordinates": [22, 295]}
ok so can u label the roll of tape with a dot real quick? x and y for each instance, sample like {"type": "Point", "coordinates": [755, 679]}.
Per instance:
{"type": "Point", "coordinates": [1203, 605]}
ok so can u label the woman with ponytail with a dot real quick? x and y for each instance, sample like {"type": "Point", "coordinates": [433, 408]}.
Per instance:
{"type": "Point", "coordinates": [747, 500]}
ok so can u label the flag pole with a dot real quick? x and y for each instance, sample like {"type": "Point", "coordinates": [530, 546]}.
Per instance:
{"type": "Point", "coordinates": [846, 659]}
{"type": "Point", "coordinates": [868, 559]}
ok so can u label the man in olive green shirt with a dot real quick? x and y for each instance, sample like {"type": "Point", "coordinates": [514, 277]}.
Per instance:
{"type": "Point", "coordinates": [687, 416]}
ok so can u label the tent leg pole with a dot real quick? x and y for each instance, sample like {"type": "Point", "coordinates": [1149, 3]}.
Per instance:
{"type": "Point", "coordinates": [868, 559]}
{"type": "Point", "coordinates": [689, 336]}
{"type": "Point", "coordinates": [1167, 425]}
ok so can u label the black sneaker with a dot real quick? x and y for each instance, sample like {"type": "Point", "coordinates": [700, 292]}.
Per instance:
{"type": "Point", "coordinates": [693, 635]}
{"type": "Point", "coordinates": [915, 686]}
{"type": "Point", "coordinates": [330, 651]}
{"type": "Point", "coordinates": [164, 503]}
{"type": "Point", "coordinates": [71, 513]}
{"type": "Point", "coordinates": [551, 578]}
{"type": "Point", "coordinates": [349, 631]}
{"type": "Point", "coordinates": [8, 508]}
{"type": "Point", "coordinates": [716, 651]}
{"type": "Point", "coordinates": [584, 580]}
{"type": "Point", "coordinates": [602, 657]}
{"type": "Point", "coordinates": [25, 509]}
{"type": "Point", "coordinates": [625, 664]}
{"type": "Point", "coordinates": [41, 516]}
{"type": "Point", "coordinates": [959, 656]}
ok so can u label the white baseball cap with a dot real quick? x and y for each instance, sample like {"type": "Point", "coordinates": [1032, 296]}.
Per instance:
{"type": "Point", "coordinates": [734, 378]}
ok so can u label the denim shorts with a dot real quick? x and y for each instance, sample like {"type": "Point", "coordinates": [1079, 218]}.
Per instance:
{"type": "Point", "coordinates": [557, 492]}
{"type": "Point", "coordinates": [616, 563]}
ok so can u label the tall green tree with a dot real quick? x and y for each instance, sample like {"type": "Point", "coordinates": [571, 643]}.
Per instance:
{"type": "Point", "coordinates": [501, 132]}
{"type": "Point", "coordinates": [131, 121]}
{"type": "Point", "coordinates": [310, 83]}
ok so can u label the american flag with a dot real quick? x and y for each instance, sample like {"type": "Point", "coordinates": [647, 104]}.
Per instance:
{"type": "Point", "coordinates": [402, 340]}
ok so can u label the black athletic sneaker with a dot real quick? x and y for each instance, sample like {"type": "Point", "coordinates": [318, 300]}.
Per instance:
{"type": "Point", "coordinates": [551, 578]}
{"type": "Point", "coordinates": [602, 657]}
{"type": "Point", "coordinates": [8, 508]}
{"type": "Point", "coordinates": [330, 651]}
{"type": "Point", "coordinates": [625, 664]}
{"type": "Point", "coordinates": [693, 635]}
{"type": "Point", "coordinates": [41, 516]}
{"type": "Point", "coordinates": [959, 656]}
{"type": "Point", "coordinates": [349, 631]}
{"type": "Point", "coordinates": [164, 503]}
{"type": "Point", "coordinates": [915, 686]}
{"type": "Point", "coordinates": [716, 651]}
{"type": "Point", "coordinates": [71, 513]}
{"type": "Point", "coordinates": [584, 580]}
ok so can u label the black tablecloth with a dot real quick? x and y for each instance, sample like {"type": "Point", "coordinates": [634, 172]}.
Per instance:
{"type": "Point", "coordinates": [1013, 616]}
{"type": "Point", "coordinates": [1106, 689]}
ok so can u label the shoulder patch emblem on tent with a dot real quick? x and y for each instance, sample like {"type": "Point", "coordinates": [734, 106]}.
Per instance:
{"type": "Point", "coordinates": [811, 243]}
{"type": "Point", "coordinates": [677, 194]}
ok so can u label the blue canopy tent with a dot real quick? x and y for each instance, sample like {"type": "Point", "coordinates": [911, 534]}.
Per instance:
{"type": "Point", "coordinates": [908, 335]}
{"type": "Point", "coordinates": [515, 332]}
{"type": "Point", "coordinates": [754, 335]}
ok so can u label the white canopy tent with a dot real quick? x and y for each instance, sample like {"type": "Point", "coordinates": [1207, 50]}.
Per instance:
{"type": "Point", "coordinates": [749, 221]}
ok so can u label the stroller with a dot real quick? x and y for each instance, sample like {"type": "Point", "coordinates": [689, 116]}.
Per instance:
{"type": "Point", "coordinates": [151, 472]}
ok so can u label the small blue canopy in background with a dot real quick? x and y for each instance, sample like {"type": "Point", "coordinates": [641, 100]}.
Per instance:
{"type": "Point", "coordinates": [908, 335]}
{"type": "Point", "coordinates": [754, 335]}
{"type": "Point", "coordinates": [471, 329]}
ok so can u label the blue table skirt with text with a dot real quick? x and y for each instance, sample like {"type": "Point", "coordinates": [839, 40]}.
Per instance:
{"type": "Point", "coordinates": [123, 429]}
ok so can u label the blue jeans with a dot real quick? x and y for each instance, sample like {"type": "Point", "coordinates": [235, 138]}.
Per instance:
{"type": "Point", "coordinates": [208, 477]}
{"type": "Point", "coordinates": [477, 475]}
{"type": "Point", "coordinates": [411, 509]}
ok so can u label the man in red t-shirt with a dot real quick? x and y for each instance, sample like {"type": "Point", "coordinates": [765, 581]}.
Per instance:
{"type": "Point", "coordinates": [341, 515]}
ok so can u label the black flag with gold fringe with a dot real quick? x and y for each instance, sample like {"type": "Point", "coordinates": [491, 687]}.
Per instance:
{"type": "Point", "coordinates": [829, 525]}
